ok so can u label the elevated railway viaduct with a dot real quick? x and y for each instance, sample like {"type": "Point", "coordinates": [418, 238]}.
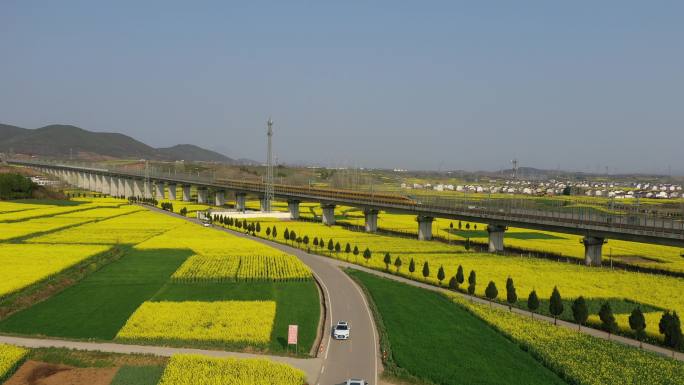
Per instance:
{"type": "Point", "coordinates": [595, 227]}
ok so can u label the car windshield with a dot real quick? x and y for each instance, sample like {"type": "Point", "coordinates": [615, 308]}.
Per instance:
{"type": "Point", "coordinates": [341, 327]}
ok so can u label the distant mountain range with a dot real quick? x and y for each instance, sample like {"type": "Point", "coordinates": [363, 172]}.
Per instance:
{"type": "Point", "coordinates": [60, 141]}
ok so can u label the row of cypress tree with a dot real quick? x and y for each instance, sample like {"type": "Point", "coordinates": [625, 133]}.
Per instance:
{"type": "Point", "coordinates": [669, 325]}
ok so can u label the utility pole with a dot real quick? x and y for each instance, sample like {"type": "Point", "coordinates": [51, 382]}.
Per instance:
{"type": "Point", "coordinates": [515, 168]}
{"type": "Point", "coordinates": [268, 194]}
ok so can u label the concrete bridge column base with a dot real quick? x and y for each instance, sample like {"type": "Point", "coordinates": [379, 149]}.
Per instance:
{"type": "Point", "coordinates": [114, 186]}
{"type": "Point", "coordinates": [172, 191]}
{"type": "Point", "coordinates": [496, 238]}
{"type": "Point", "coordinates": [147, 189]}
{"type": "Point", "coordinates": [202, 195]}
{"type": "Point", "coordinates": [98, 183]}
{"type": "Point", "coordinates": [107, 185]}
{"type": "Point", "coordinates": [240, 201]}
{"type": "Point", "coordinates": [371, 219]}
{"type": "Point", "coordinates": [128, 190]}
{"type": "Point", "coordinates": [138, 188]}
{"type": "Point", "coordinates": [425, 227]}
{"type": "Point", "coordinates": [186, 193]}
{"type": "Point", "coordinates": [293, 207]}
{"type": "Point", "coordinates": [159, 190]}
{"type": "Point", "coordinates": [121, 187]}
{"type": "Point", "coordinates": [593, 248]}
{"type": "Point", "coordinates": [328, 214]}
{"type": "Point", "coordinates": [220, 198]}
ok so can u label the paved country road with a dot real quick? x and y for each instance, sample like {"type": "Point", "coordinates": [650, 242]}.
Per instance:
{"type": "Point", "coordinates": [353, 358]}
{"type": "Point", "coordinates": [357, 357]}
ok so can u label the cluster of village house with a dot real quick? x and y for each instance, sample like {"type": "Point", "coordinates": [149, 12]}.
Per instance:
{"type": "Point", "coordinates": [608, 190]}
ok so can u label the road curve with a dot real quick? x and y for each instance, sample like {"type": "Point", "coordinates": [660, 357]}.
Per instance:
{"type": "Point", "coordinates": [357, 357]}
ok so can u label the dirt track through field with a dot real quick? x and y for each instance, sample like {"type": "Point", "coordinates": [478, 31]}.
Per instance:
{"type": "Point", "coordinates": [43, 373]}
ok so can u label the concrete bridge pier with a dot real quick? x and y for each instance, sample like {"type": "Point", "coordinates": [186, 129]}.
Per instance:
{"type": "Point", "coordinates": [496, 238]}
{"type": "Point", "coordinates": [593, 248]}
{"type": "Point", "coordinates": [99, 183]}
{"type": "Point", "coordinates": [106, 184]}
{"type": "Point", "coordinates": [328, 214]}
{"type": "Point", "coordinates": [147, 189]}
{"type": "Point", "coordinates": [186, 193]}
{"type": "Point", "coordinates": [95, 182]}
{"type": "Point", "coordinates": [159, 190]}
{"type": "Point", "coordinates": [240, 201]}
{"type": "Point", "coordinates": [113, 186]}
{"type": "Point", "coordinates": [293, 208]}
{"type": "Point", "coordinates": [121, 187]}
{"type": "Point", "coordinates": [425, 227]}
{"type": "Point", "coordinates": [202, 195]}
{"type": "Point", "coordinates": [219, 198]}
{"type": "Point", "coordinates": [371, 219]}
{"type": "Point", "coordinates": [129, 190]}
{"type": "Point", "coordinates": [172, 191]}
{"type": "Point", "coordinates": [138, 188]}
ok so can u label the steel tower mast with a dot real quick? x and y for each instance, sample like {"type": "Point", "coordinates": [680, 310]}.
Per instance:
{"type": "Point", "coordinates": [268, 194]}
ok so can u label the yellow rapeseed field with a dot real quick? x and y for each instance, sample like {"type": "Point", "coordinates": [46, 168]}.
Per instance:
{"type": "Point", "coordinates": [572, 279]}
{"type": "Point", "coordinates": [10, 358]}
{"type": "Point", "coordinates": [191, 369]}
{"type": "Point", "coordinates": [272, 268]}
{"type": "Point", "coordinates": [220, 322]}
{"type": "Point", "coordinates": [24, 264]}
{"type": "Point", "coordinates": [204, 241]}
{"type": "Point", "coordinates": [129, 229]}
{"type": "Point", "coordinates": [200, 268]}
{"type": "Point", "coordinates": [10, 230]}
{"type": "Point", "coordinates": [46, 210]}
{"type": "Point", "coordinates": [639, 254]}
{"type": "Point", "coordinates": [581, 358]}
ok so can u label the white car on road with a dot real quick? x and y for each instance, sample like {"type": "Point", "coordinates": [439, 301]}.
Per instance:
{"type": "Point", "coordinates": [341, 331]}
{"type": "Point", "coordinates": [355, 381]}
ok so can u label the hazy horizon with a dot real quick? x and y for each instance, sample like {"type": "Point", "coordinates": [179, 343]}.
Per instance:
{"type": "Point", "coordinates": [470, 86]}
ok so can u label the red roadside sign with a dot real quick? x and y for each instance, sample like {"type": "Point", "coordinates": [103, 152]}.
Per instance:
{"type": "Point", "coordinates": [292, 335]}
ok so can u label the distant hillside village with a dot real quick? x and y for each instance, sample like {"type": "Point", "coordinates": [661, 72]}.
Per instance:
{"type": "Point", "coordinates": [551, 188]}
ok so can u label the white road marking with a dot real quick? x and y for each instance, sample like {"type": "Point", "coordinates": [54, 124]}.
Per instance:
{"type": "Point", "coordinates": [327, 296]}
{"type": "Point", "coordinates": [375, 336]}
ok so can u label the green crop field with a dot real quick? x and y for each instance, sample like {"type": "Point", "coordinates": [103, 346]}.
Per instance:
{"type": "Point", "coordinates": [432, 339]}
{"type": "Point", "coordinates": [455, 340]}
{"type": "Point", "coordinates": [138, 375]}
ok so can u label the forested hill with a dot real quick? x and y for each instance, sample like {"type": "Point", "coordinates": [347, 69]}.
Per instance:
{"type": "Point", "coordinates": [59, 140]}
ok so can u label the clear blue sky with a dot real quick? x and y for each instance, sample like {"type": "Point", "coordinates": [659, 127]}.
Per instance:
{"type": "Point", "coordinates": [579, 85]}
